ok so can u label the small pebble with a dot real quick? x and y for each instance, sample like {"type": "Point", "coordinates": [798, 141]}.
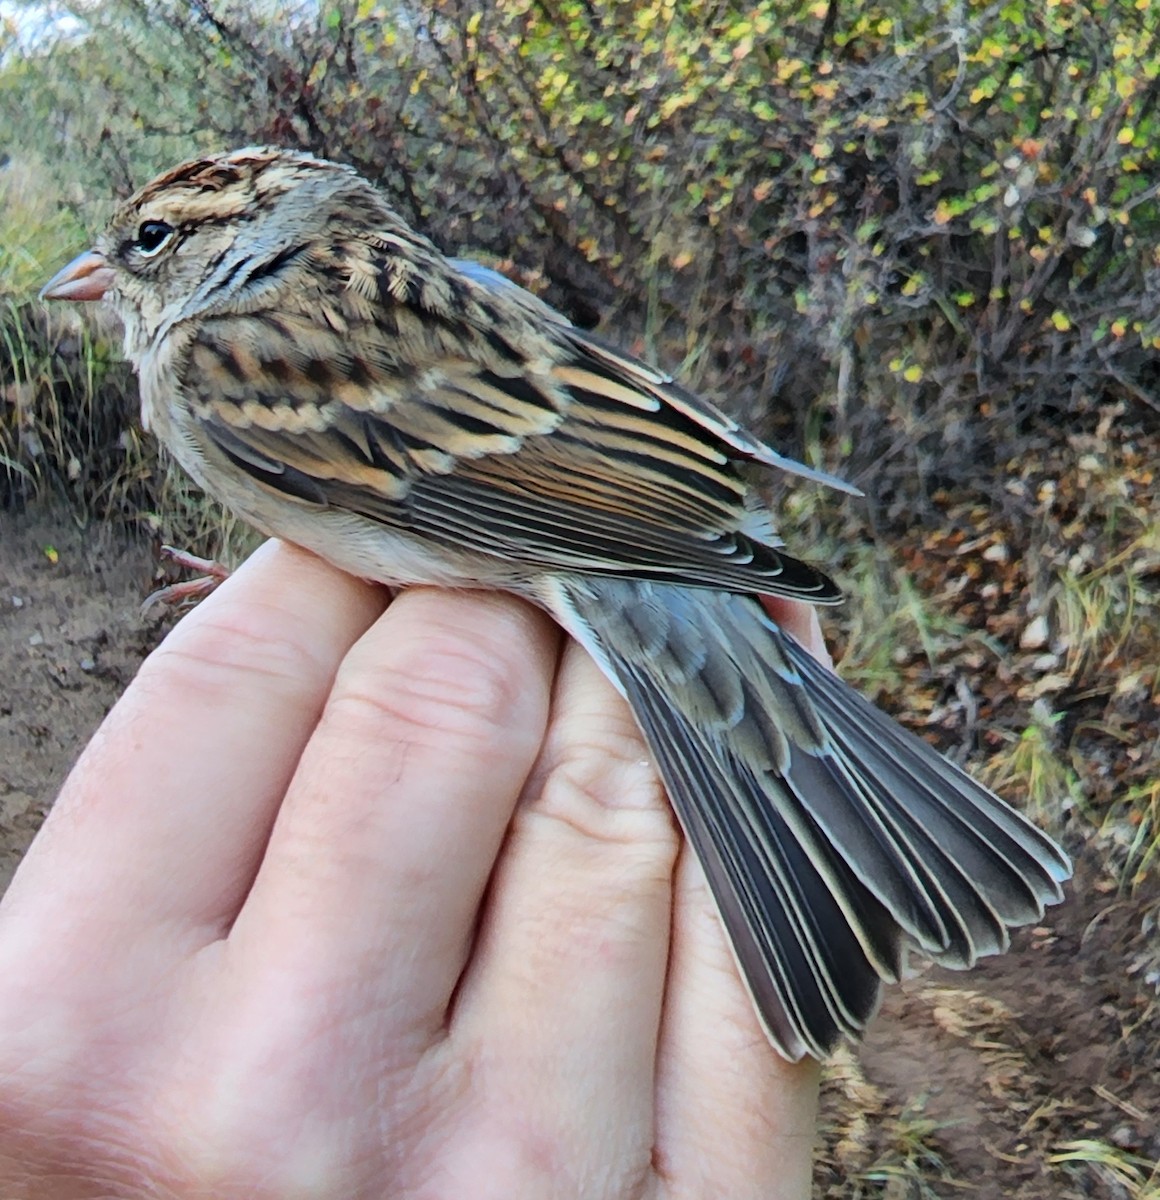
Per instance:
{"type": "Point", "coordinates": [37, 639]}
{"type": "Point", "coordinates": [87, 664]}
{"type": "Point", "coordinates": [1036, 634]}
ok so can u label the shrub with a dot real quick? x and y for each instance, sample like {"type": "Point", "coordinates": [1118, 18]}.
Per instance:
{"type": "Point", "coordinates": [922, 232]}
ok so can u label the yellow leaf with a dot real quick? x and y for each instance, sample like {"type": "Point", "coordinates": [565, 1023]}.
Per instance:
{"type": "Point", "coordinates": [912, 374]}
{"type": "Point", "coordinates": [1061, 321]}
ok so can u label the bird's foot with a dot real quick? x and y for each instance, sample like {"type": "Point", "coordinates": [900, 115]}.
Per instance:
{"type": "Point", "coordinates": [176, 594]}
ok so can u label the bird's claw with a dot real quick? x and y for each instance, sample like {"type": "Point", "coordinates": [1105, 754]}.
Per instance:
{"type": "Point", "coordinates": [176, 594]}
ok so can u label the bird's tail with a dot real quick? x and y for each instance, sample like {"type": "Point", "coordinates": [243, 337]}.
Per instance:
{"type": "Point", "coordinates": [831, 837]}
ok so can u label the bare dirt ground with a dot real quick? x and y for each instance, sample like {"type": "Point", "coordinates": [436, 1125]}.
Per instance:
{"type": "Point", "coordinates": [1034, 1076]}
{"type": "Point", "coordinates": [71, 638]}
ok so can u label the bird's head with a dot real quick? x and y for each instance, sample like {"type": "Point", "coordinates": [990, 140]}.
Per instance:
{"type": "Point", "coordinates": [224, 228]}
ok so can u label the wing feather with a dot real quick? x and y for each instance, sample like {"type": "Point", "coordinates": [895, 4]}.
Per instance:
{"type": "Point", "coordinates": [553, 449]}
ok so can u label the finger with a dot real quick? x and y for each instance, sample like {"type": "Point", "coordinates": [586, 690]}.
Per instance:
{"type": "Point", "coordinates": [166, 815]}
{"type": "Point", "coordinates": [375, 871]}
{"type": "Point", "coordinates": [568, 979]}
{"type": "Point", "coordinates": [734, 1118]}
{"type": "Point", "coordinates": [800, 620]}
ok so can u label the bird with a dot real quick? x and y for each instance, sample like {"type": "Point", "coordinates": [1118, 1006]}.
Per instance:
{"type": "Point", "coordinates": [324, 371]}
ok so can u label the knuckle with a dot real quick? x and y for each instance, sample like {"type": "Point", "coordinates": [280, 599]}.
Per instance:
{"type": "Point", "coordinates": [609, 791]}
{"type": "Point", "coordinates": [210, 657]}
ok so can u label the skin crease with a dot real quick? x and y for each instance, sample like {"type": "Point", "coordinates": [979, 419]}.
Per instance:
{"type": "Point", "coordinates": [353, 900]}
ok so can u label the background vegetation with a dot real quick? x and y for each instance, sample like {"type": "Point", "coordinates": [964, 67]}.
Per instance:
{"type": "Point", "coordinates": [915, 242]}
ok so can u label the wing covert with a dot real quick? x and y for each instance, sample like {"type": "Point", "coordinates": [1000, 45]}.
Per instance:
{"type": "Point", "coordinates": [502, 432]}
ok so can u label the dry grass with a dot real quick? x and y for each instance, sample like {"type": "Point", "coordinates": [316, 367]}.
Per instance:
{"type": "Point", "coordinates": [871, 1146]}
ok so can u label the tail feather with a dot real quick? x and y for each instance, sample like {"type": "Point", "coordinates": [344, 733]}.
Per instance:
{"type": "Point", "coordinates": [832, 839]}
{"type": "Point", "coordinates": [812, 961]}
{"type": "Point", "coordinates": [831, 804]}
{"type": "Point", "coordinates": [995, 844]}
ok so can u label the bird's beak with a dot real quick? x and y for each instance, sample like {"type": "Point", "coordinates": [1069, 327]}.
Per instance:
{"type": "Point", "coordinates": [87, 277]}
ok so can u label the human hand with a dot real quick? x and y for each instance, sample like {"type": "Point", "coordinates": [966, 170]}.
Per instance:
{"type": "Point", "coordinates": [345, 902]}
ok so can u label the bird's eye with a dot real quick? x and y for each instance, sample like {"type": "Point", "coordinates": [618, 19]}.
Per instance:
{"type": "Point", "coordinates": [152, 236]}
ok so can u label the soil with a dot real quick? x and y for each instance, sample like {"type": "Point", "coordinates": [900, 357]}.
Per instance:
{"type": "Point", "coordinates": [71, 638]}
{"type": "Point", "coordinates": [997, 1083]}
{"type": "Point", "coordinates": [1017, 1061]}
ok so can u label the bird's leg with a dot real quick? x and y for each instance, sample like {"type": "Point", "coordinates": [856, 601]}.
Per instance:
{"type": "Point", "coordinates": [210, 575]}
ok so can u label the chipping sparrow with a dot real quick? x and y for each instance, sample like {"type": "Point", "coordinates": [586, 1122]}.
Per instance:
{"type": "Point", "coordinates": [331, 377]}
